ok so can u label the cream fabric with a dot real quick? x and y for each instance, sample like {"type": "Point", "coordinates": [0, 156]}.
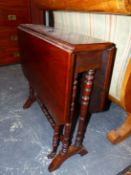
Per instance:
{"type": "Point", "coordinates": [114, 28]}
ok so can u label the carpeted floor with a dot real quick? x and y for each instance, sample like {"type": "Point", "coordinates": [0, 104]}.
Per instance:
{"type": "Point", "coordinates": [25, 136]}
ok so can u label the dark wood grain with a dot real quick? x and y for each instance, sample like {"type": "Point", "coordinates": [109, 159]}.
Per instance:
{"type": "Point", "coordinates": [55, 92]}
{"type": "Point", "coordinates": [55, 60]}
{"type": "Point", "coordinates": [52, 60]}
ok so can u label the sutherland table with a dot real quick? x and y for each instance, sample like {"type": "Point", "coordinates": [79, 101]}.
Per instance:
{"type": "Point", "coordinates": [64, 70]}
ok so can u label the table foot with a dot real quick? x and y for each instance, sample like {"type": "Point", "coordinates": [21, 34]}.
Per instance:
{"type": "Point", "coordinates": [60, 158]}
{"type": "Point", "coordinates": [117, 135]}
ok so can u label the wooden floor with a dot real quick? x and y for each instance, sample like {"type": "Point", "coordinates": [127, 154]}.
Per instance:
{"type": "Point", "coordinates": [25, 136]}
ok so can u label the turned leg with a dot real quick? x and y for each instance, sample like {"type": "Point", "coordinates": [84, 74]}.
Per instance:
{"type": "Point", "coordinates": [117, 135]}
{"type": "Point", "coordinates": [74, 92]}
{"type": "Point", "coordinates": [67, 149]}
{"type": "Point", "coordinates": [86, 91]}
{"type": "Point", "coordinates": [30, 99]}
{"type": "Point", "coordinates": [56, 139]}
{"type": "Point", "coordinates": [66, 139]}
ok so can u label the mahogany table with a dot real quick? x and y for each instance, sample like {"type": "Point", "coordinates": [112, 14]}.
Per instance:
{"type": "Point", "coordinates": [65, 69]}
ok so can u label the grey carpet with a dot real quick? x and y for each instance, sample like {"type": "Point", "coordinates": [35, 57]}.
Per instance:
{"type": "Point", "coordinates": [25, 136]}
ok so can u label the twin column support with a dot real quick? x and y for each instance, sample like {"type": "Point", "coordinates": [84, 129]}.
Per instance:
{"type": "Point", "coordinates": [67, 149]}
